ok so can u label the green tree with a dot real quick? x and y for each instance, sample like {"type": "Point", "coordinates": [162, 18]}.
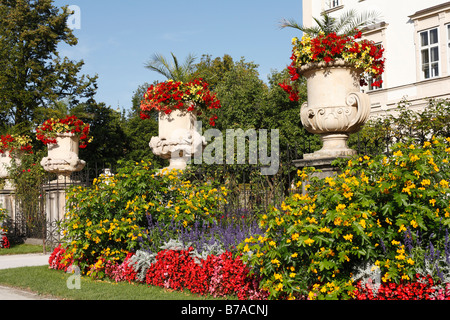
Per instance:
{"type": "Point", "coordinates": [242, 94]}
{"type": "Point", "coordinates": [33, 73]}
{"type": "Point", "coordinates": [213, 70]}
{"type": "Point", "coordinates": [109, 139]}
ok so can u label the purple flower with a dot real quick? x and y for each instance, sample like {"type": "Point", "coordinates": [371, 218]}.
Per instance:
{"type": "Point", "coordinates": [408, 240]}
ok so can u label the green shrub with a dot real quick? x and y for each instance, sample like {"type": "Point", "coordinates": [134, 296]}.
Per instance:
{"type": "Point", "coordinates": [110, 218]}
{"type": "Point", "coordinates": [318, 241]}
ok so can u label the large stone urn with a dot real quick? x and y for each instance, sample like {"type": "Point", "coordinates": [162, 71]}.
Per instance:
{"type": "Point", "coordinates": [178, 139]}
{"type": "Point", "coordinates": [335, 108]}
{"type": "Point", "coordinates": [62, 158]}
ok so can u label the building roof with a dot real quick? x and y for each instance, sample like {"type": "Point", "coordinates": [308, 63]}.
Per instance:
{"type": "Point", "coordinates": [430, 10]}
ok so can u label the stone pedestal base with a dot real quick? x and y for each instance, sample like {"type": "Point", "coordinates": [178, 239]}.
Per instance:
{"type": "Point", "coordinates": [334, 146]}
{"type": "Point", "coordinates": [323, 165]}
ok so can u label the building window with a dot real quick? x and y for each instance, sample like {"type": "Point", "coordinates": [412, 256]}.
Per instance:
{"type": "Point", "coordinates": [334, 3]}
{"type": "Point", "coordinates": [429, 52]}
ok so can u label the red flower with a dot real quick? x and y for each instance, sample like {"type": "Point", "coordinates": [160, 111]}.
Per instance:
{"type": "Point", "coordinates": [170, 95]}
{"type": "Point", "coordinates": [46, 133]}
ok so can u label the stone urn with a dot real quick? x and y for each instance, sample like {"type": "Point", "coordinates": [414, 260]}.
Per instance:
{"type": "Point", "coordinates": [178, 139]}
{"type": "Point", "coordinates": [62, 157]}
{"type": "Point", "coordinates": [6, 159]}
{"type": "Point", "coordinates": [335, 108]}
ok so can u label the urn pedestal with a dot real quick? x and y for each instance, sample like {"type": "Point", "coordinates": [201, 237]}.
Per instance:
{"type": "Point", "coordinates": [62, 158]}
{"type": "Point", "coordinates": [178, 139]}
{"type": "Point", "coordinates": [335, 108]}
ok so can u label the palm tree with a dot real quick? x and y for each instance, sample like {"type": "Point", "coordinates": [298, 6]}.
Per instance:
{"type": "Point", "coordinates": [173, 71]}
{"type": "Point", "coordinates": [346, 24]}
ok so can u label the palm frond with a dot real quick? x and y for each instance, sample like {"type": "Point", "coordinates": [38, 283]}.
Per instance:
{"type": "Point", "coordinates": [172, 71]}
{"type": "Point", "coordinates": [360, 21]}
{"type": "Point", "coordinates": [189, 66]}
{"type": "Point", "coordinates": [291, 23]}
{"type": "Point", "coordinates": [175, 61]}
{"type": "Point", "coordinates": [345, 19]}
{"type": "Point", "coordinates": [160, 65]}
{"type": "Point", "coordinates": [344, 24]}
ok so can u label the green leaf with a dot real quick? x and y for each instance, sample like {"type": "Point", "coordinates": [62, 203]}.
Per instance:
{"type": "Point", "coordinates": [326, 264]}
{"type": "Point", "coordinates": [401, 199]}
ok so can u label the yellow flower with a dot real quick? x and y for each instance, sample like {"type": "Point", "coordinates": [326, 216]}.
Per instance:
{"type": "Point", "coordinates": [275, 261]}
{"type": "Point", "coordinates": [309, 241]}
{"type": "Point", "coordinates": [363, 223]}
{"type": "Point", "coordinates": [348, 195]}
{"type": "Point", "coordinates": [413, 158]}
{"type": "Point", "coordinates": [330, 181]}
{"type": "Point", "coordinates": [444, 183]}
{"type": "Point", "coordinates": [348, 237]}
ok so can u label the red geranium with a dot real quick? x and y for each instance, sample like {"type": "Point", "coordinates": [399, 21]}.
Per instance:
{"type": "Point", "coordinates": [12, 142]}
{"type": "Point", "coordinates": [172, 95]}
{"type": "Point", "coordinates": [362, 54]}
{"type": "Point", "coordinates": [4, 243]}
{"type": "Point", "coordinates": [48, 131]}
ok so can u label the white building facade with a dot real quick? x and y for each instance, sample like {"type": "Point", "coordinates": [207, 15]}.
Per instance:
{"type": "Point", "coordinates": [416, 38]}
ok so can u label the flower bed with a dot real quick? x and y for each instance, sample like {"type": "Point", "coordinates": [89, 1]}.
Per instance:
{"type": "Point", "coordinates": [219, 276]}
{"type": "Point", "coordinates": [378, 232]}
{"type": "Point", "coordinates": [392, 212]}
{"type": "Point", "coordinates": [423, 288]}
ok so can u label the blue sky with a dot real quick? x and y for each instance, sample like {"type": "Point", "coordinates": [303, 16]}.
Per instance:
{"type": "Point", "coordinates": [117, 37]}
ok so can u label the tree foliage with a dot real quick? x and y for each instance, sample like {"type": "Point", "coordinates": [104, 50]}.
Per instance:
{"type": "Point", "coordinates": [34, 75]}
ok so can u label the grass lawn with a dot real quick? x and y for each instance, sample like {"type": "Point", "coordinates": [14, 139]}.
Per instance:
{"type": "Point", "coordinates": [53, 283]}
{"type": "Point", "coordinates": [48, 282]}
{"type": "Point", "coordinates": [22, 249]}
